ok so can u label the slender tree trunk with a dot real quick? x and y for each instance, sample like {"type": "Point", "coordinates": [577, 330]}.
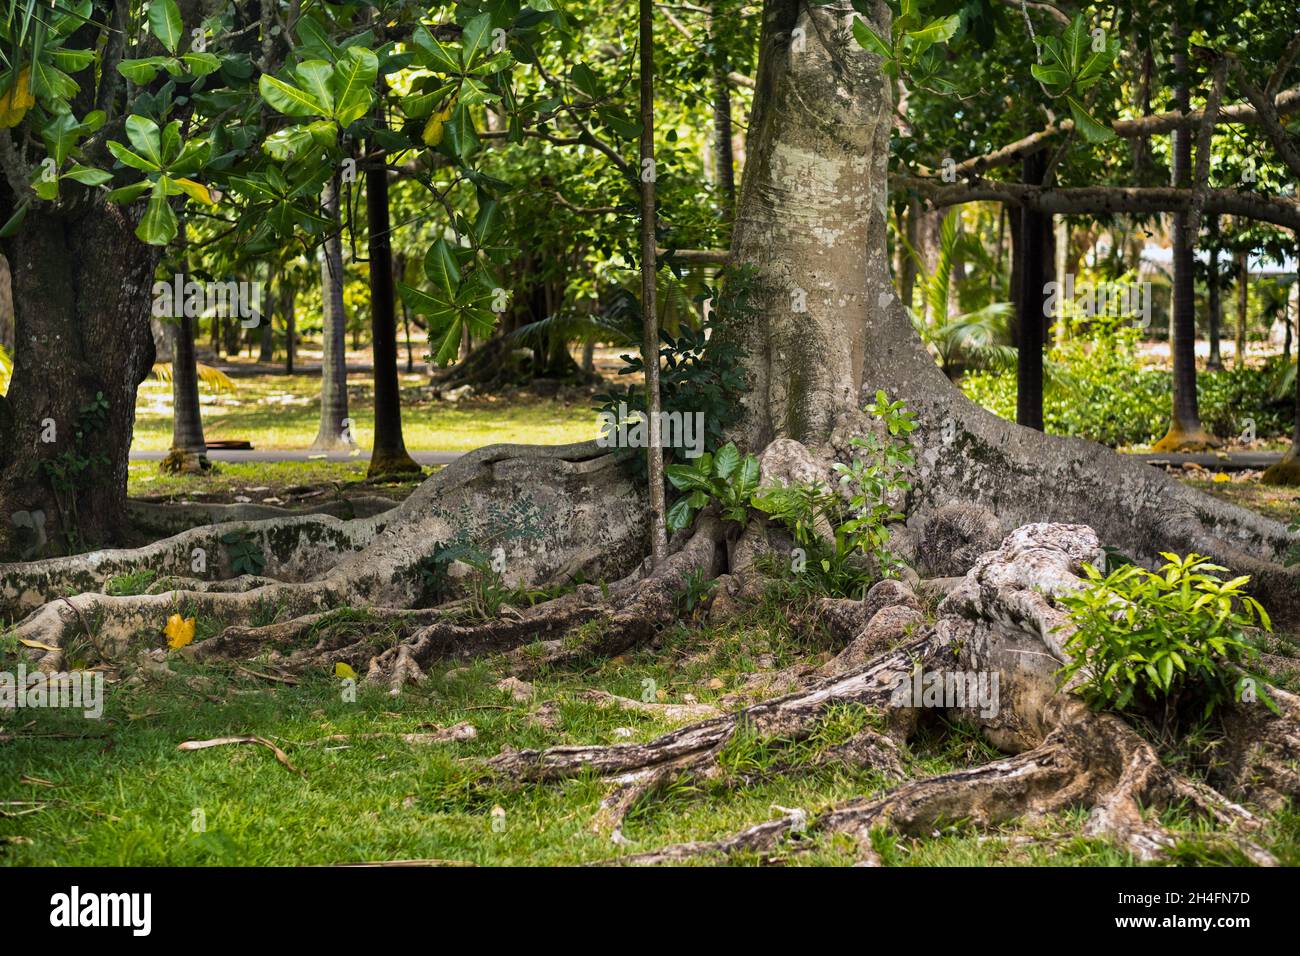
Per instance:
{"type": "Point", "coordinates": [82, 290]}
{"type": "Point", "coordinates": [388, 455]}
{"type": "Point", "coordinates": [1185, 431]}
{"type": "Point", "coordinates": [722, 155]}
{"type": "Point", "coordinates": [1214, 295]}
{"type": "Point", "coordinates": [289, 298]}
{"type": "Point", "coordinates": [907, 260]}
{"type": "Point", "coordinates": [335, 429]}
{"type": "Point", "coordinates": [399, 264]}
{"type": "Point", "coordinates": [1032, 278]}
{"type": "Point", "coordinates": [189, 451]}
{"type": "Point", "coordinates": [649, 267]}
{"type": "Point", "coordinates": [1243, 301]}
{"type": "Point", "coordinates": [266, 324]}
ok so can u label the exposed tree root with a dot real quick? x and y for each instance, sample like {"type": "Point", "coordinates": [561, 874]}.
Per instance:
{"type": "Point", "coordinates": [296, 548]}
{"type": "Point", "coordinates": [156, 520]}
{"type": "Point", "coordinates": [1001, 621]}
{"type": "Point", "coordinates": [549, 512]}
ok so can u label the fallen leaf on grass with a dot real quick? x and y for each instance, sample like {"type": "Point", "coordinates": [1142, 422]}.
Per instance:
{"type": "Point", "coordinates": [179, 631]}
{"type": "Point", "coordinates": [345, 671]}
{"type": "Point", "coordinates": [280, 755]}
{"type": "Point", "coordinates": [36, 644]}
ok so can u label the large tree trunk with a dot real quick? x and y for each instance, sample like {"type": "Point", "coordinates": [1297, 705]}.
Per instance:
{"type": "Point", "coordinates": [817, 152]}
{"type": "Point", "coordinates": [82, 289]}
{"type": "Point", "coordinates": [818, 155]}
{"type": "Point", "coordinates": [333, 431]}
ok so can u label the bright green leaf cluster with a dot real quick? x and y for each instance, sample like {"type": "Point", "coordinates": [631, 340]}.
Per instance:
{"type": "Point", "coordinates": [1178, 635]}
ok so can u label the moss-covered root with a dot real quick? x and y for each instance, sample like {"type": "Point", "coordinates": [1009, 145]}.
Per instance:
{"type": "Point", "coordinates": [296, 548]}
{"type": "Point", "coordinates": [113, 624]}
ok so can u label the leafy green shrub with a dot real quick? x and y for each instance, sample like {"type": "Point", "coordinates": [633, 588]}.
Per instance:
{"type": "Point", "coordinates": [857, 515]}
{"type": "Point", "coordinates": [1096, 388]}
{"type": "Point", "coordinates": [701, 368]}
{"type": "Point", "coordinates": [726, 477]}
{"type": "Point", "coordinates": [1177, 635]}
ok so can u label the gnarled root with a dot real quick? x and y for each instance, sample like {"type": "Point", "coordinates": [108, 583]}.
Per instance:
{"type": "Point", "coordinates": [553, 512]}
{"type": "Point", "coordinates": [1002, 623]}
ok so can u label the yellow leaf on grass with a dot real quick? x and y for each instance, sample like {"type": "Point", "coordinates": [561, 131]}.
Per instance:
{"type": "Point", "coordinates": [1221, 476]}
{"type": "Point", "coordinates": [344, 671]}
{"type": "Point", "coordinates": [16, 101]}
{"type": "Point", "coordinates": [36, 644]}
{"type": "Point", "coordinates": [179, 631]}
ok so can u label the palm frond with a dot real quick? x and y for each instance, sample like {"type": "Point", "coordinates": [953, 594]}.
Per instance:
{"type": "Point", "coordinates": [215, 379]}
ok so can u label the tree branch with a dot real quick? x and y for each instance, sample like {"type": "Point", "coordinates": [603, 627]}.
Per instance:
{"type": "Point", "coordinates": [1106, 200]}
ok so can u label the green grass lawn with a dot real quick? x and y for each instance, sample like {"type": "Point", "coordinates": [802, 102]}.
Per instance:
{"type": "Point", "coordinates": [117, 791]}
{"type": "Point", "coordinates": [283, 411]}
{"type": "Point", "coordinates": [257, 480]}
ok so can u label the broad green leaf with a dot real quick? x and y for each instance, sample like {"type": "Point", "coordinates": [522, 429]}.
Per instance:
{"type": "Point", "coordinates": [51, 83]}
{"type": "Point", "coordinates": [128, 158]}
{"type": "Point", "coordinates": [679, 515]}
{"type": "Point", "coordinates": [353, 82]}
{"type": "Point", "coordinates": [1055, 78]}
{"type": "Point", "coordinates": [315, 76]}
{"type": "Point", "coordinates": [146, 138]}
{"type": "Point", "coordinates": [584, 80]}
{"type": "Point", "coordinates": [88, 176]}
{"type": "Point", "coordinates": [201, 64]}
{"type": "Point", "coordinates": [165, 23]}
{"type": "Point", "coordinates": [726, 460]}
{"type": "Point", "coordinates": [460, 134]}
{"type": "Point", "coordinates": [437, 55]}
{"type": "Point", "coordinates": [1092, 130]}
{"type": "Point", "coordinates": [158, 226]}
{"type": "Point", "coordinates": [129, 194]}
{"type": "Point", "coordinates": [442, 270]}
{"type": "Point", "coordinates": [475, 37]}
{"type": "Point", "coordinates": [289, 99]}
{"type": "Point", "coordinates": [288, 143]}
{"type": "Point", "coordinates": [60, 135]}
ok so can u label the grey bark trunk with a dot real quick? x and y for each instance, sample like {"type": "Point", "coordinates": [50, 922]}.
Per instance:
{"type": "Point", "coordinates": [812, 216]}
{"type": "Point", "coordinates": [335, 429]}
